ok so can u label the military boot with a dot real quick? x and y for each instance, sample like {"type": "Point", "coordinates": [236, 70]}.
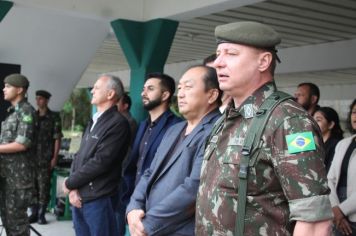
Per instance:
{"type": "Point", "coordinates": [41, 215]}
{"type": "Point", "coordinates": [33, 217]}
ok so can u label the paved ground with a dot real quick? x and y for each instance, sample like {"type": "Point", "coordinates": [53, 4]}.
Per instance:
{"type": "Point", "coordinates": [53, 228]}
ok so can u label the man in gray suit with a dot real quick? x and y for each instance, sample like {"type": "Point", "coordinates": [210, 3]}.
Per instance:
{"type": "Point", "coordinates": [163, 202]}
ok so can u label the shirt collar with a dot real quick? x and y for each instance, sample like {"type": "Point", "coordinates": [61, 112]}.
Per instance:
{"type": "Point", "coordinates": [154, 123]}
{"type": "Point", "coordinates": [250, 106]}
{"type": "Point", "coordinates": [17, 106]}
{"type": "Point", "coordinates": [96, 116]}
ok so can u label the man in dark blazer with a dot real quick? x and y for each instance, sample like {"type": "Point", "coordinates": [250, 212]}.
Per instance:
{"type": "Point", "coordinates": [156, 98]}
{"type": "Point", "coordinates": [96, 168]}
{"type": "Point", "coordinates": [163, 202]}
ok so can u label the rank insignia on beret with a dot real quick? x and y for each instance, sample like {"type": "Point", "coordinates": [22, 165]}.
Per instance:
{"type": "Point", "coordinates": [27, 119]}
{"type": "Point", "coordinates": [300, 142]}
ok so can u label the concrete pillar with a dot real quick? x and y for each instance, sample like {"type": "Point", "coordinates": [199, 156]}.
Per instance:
{"type": "Point", "coordinates": [146, 46]}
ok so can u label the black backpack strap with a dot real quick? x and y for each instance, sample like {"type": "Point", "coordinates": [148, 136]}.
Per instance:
{"type": "Point", "coordinates": [251, 145]}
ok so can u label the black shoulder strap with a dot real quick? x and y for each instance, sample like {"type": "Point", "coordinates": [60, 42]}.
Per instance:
{"type": "Point", "coordinates": [251, 144]}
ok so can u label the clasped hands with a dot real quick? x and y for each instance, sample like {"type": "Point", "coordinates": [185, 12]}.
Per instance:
{"type": "Point", "coordinates": [134, 219]}
{"type": "Point", "coordinates": [74, 197]}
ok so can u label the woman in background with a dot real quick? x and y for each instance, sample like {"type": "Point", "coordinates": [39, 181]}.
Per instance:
{"type": "Point", "coordinates": [329, 123]}
{"type": "Point", "coordinates": [341, 180]}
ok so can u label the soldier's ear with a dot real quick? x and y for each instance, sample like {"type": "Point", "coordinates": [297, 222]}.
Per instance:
{"type": "Point", "coordinates": [265, 60]}
{"type": "Point", "coordinates": [20, 90]}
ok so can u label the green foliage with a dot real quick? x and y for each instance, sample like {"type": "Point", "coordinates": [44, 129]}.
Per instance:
{"type": "Point", "coordinates": [76, 110]}
{"type": "Point", "coordinates": [78, 128]}
{"type": "Point", "coordinates": [67, 108]}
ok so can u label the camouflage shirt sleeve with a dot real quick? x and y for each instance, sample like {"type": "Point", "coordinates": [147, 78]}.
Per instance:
{"type": "Point", "coordinates": [25, 129]}
{"type": "Point", "coordinates": [301, 174]}
{"type": "Point", "coordinates": [57, 126]}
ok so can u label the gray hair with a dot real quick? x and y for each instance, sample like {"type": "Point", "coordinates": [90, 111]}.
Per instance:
{"type": "Point", "coordinates": [115, 84]}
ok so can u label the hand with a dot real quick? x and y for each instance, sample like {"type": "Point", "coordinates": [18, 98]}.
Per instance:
{"type": "Point", "coordinates": [64, 187]}
{"type": "Point", "coordinates": [53, 163]}
{"type": "Point", "coordinates": [341, 222]}
{"type": "Point", "coordinates": [338, 215]}
{"type": "Point", "coordinates": [345, 227]}
{"type": "Point", "coordinates": [134, 219]}
{"type": "Point", "coordinates": [75, 199]}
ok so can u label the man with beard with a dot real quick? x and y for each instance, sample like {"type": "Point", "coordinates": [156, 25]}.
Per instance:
{"type": "Point", "coordinates": [308, 95]}
{"type": "Point", "coordinates": [163, 201]}
{"type": "Point", "coordinates": [156, 98]}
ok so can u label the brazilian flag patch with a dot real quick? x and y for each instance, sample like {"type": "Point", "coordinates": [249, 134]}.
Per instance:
{"type": "Point", "coordinates": [27, 119]}
{"type": "Point", "coordinates": [300, 142]}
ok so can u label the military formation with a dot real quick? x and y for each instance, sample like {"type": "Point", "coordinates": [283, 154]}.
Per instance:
{"type": "Point", "coordinates": [247, 160]}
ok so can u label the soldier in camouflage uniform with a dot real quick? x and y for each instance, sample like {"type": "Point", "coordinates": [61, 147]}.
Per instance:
{"type": "Point", "coordinates": [286, 183]}
{"type": "Point", "coordinates": [48, 138]}
{"type": "Point", "coordinates": [16, 180]}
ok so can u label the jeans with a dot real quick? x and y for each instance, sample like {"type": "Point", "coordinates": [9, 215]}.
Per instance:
{"type": "Point", "coordinates": [96, 218]}
{"type": "Point", "coordinates": [121, 219]}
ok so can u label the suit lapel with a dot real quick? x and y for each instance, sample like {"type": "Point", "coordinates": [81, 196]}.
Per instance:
{"type": "Point", "coordinates": [207, 119]}
{"type": "Point", "coordinates": [180, 149]}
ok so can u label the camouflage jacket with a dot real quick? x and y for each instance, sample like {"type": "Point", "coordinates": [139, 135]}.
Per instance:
{"type": "Point", "coordinates": [18, 127]}
{"type": "Point", "coordinates": [49, 129]}
{"type": "Point", "coordinates": [284, 184]}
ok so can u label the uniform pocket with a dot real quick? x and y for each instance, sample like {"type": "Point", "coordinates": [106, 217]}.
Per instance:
{"type": "Point", "coordinates": [229, 178]}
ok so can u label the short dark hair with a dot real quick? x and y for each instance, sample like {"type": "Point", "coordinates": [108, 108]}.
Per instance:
{"type": "Point", "coordinates": [349, 125]}
{"type": "Point", "coordinates": [313, 88]}
{"type": "Point", "coordinates": [210, 80]}
{"type": "Point", "coordinates": [126, 100]}
{"type": "Point", "coordinates": [209, 59]}
{"type": "Point", "coordinates": [167, 83]}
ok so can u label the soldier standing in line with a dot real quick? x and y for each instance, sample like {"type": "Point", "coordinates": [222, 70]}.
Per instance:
{"type": "Point", "coordinates": [17, 133]}
{"type": "Point", "coordinates": [48, 138]}
{"type": "Point", "coordinates": [279, 183]}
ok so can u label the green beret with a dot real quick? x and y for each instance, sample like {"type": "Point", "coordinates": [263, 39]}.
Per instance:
{"type": "Point", "coordinates": [43, 93]}
{"type": "Point", "coordinates": [247, 33]}
{"type": "Point", "coordinates": [17, 80]}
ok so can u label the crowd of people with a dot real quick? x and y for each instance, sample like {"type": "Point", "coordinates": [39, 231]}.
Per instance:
{"type": "Point", "coordinates": [243, 159]}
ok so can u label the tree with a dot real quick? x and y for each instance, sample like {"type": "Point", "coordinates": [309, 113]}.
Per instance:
{"type": "Point", "coordinates": [76, 110]}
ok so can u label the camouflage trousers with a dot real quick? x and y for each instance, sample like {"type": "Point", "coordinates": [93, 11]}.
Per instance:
{"type": "Point", "coordinates": [41, 192]}
{"type": "Point", "coordinates": [13, 208]}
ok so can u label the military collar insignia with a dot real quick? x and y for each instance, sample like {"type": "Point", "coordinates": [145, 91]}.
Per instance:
{"type": "Point", "coordinates": [248, 111]}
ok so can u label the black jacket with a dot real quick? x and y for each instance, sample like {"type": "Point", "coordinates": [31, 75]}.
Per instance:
{"type": "Point", "coordinates": [96, 168]}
